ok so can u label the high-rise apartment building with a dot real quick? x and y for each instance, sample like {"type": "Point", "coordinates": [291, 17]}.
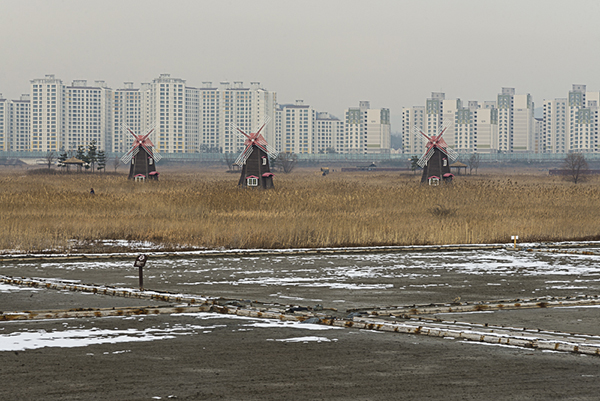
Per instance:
{"type": "Point", "coordinates": [582, 120]}
{"type": "Point", "coordinates": [19, 133]}
{"type": "Point", "coordinates": [47, 112]}
{"type": "Point", "coordinates": [5, 117]}
{"type": "Point", "coordinates": [329, 134]}
{"type": "Point", "coordinates": [515, 122]}
{"type": "Point", "coordinates": [471, 128]}
{"type": "Point", "coordinates": [167, 111]}
{"type": "Point", "coordinates": [367, 130]}
{"type": "Point", "coordinates": [86, 116]}
{"type": "Point", "coordinates": [412, 120]}
{"type": "Point", "coordinates": [571, 124]}
{"type": "Point", "coordinates": [247, 108]}
{"type": "Point", "coordinates": [15, 124]}
{"type": "Point", "coordinates": [127, 112]}
{"type": "Point", "coordinates": [554, 126]}
{"type": "Point", "coordinates": [297, 127]}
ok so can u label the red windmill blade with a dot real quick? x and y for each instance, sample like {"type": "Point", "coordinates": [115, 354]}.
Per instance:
{"type": "Point", "coordinates": [143, 141]}
{"type": "Point", "coordinates": [433, 142]}
{"type": "Point", "coordinates": [253, 139]}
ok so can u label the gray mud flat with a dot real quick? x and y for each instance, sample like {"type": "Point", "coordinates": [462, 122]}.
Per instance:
{"type": "Point", "coordinates": [209, 356]}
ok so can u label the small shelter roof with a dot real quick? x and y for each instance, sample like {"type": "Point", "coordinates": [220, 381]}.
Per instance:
{"type": "Point", "coordinates": [458, 164]}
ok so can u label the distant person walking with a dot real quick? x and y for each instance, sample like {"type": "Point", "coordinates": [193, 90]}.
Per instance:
{"type": "Point", "coordinates": [92, 191]}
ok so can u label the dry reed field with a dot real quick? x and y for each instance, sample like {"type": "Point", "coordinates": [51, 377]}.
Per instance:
{"type": "Point", "coordinates": [206, 209]}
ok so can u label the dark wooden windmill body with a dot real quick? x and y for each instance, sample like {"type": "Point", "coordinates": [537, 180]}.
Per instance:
{"type": "Point", "coordinates": [141, 157]}
{"type": "Point", "coordinates": [257, 168]}
{"type": "Point", "coordinates": [436, 159]}
{"type": "Point", "coordinates": [437, 166]}
{"type": "Point", "coordinates": [254, 160]}
{"type": "Point", "coordinates": [142, 164]}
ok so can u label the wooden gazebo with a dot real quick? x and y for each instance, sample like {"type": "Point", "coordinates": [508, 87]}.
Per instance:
{"type": "Point", "coordinates": [457, 166]}
{"type": "Point", "coordinates": [73, 161]}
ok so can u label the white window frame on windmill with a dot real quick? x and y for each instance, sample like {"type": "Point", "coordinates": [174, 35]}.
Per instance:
{"type": "Point", "coordinates": [252, 181]}
{"type": "Point", "coordinates": [264, 160]}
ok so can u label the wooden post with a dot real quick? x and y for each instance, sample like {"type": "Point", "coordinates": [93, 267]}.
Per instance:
{"type": "Point", "coordinates": [515, 238]}
{"type": "Point", "coordinates": [140, 261]}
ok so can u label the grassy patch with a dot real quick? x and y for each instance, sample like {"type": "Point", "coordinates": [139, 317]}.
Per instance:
{"type": "Point", "coordinates": [206, 209]}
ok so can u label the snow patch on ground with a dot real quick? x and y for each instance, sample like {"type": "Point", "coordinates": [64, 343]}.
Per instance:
{"type": "Point", "coordinates": [70, 337]}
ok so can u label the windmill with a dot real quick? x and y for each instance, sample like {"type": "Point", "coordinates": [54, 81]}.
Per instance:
{"type": "Point", "coordinates": [141, 157]}
{"type": "Point", "coordinates": [434, 161]}
{"type": "Point", "coordinates": [254, 159]}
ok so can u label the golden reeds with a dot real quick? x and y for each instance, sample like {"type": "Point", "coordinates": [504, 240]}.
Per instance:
{"type": "Point", "coordinates": [304, 210]}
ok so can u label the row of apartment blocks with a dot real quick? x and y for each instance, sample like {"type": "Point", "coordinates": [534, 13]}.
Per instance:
{"type": "Point", "coordinates": [507, 125]}
{"type": "Point", "coordinates": [59, 117]}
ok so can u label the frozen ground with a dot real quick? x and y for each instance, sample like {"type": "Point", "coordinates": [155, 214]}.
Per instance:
{"type": "Point", "coordinates": [205, 356]}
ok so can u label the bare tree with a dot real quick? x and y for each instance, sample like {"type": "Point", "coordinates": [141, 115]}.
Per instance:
{"type": "Point", "coordinates": [286, 161]}
{"type": "Point", "coordinates": [576, 166]}
{"type": "Point", "coordinates": [474, 161]}
{"type": "Point", "coordinates": [229, 159]}
{"type": "Point", "coordinates": [50, 157]}
{"type": "Point", "coordinates": [116, 163]}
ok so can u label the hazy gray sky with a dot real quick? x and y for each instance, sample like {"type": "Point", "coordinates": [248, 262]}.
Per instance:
{"type": "Point", "coordinates": [329, 53]}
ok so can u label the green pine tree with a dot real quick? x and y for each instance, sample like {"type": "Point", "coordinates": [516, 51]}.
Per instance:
{"type": "Point", "coordinates": [92, 154]}
{"type": "Point", "coordinates": [101, 160]}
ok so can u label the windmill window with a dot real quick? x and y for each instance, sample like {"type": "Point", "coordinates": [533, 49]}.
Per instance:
{"type": "Point", "coordinates": [252, 181]}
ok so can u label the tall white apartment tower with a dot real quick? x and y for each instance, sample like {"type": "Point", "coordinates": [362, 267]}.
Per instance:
{"type": "Point", "coordinates": [210, 135]}
{"type": "Point", "coordinates": [5, 117]}
{"type": "Point", "coordinates": [297, 127]}
{"type": "Point", "coordinates": [515, 122]}
{"type": "Point", "coordinates": [328, 129]}
{"type": "Point", "coordinates": [192, 120]}
{"type": "Point", "coordinates": [377, 129]}
{"type": "Point", "coordinates": [47, 110]}
{"type": "Point", "coordinates": [523, 125]}
{"type": "Point", "coordinates": [413, 117]}
{"type": "Point", "coordinates": [367, 130]}
{"type": "Point", "coordinates": [554, 126]}
{"type": "Point", "coordinates": [486, 128]}
{"type": "Point", "coordinates": [167, 111]}
{"type": "Point", "coordinates": [21, 124]}
{"type": "Point", "coordinates": [127, 111]}
{"type": "Point", "coordinates": [434, 107]}
{"type": "Point", "coordinates": [247, 108]}
{"type": "Point", "coordinates": [86, 115]}
{"type": "Point", "coordinates": [582, 120]}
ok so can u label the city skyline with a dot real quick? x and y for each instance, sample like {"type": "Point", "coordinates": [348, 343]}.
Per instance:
{"type": "Point", "coordinates": [393, 53]}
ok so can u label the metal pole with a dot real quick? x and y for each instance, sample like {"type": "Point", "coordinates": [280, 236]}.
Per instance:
{"type": "Point", "coordinates": [141, 269]}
